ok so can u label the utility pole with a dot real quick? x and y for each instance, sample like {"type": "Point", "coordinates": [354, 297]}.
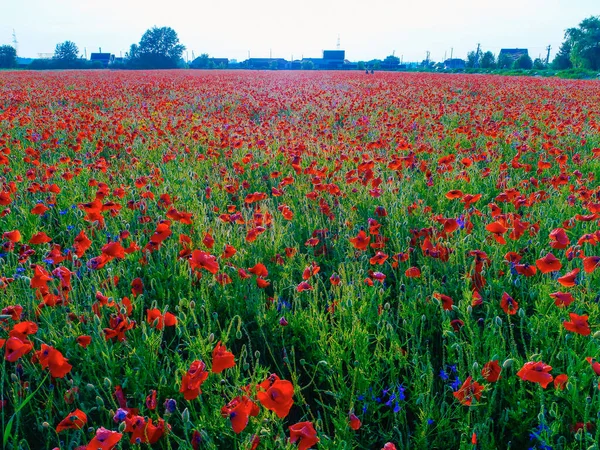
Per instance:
{"type": "Point", "coordinates": [15, 42]}
{"type": "Point", "coordinates": [548, 54]}
{"type": "Point", "coordinates": [477, 55]}
{"type": "Point", "coordinates": [427, 58]}
{"type": "Point", "coordinates": [451, 52]}
{"type": "Point", "coordinates": [85, 52]}
{"type": "Point", "coordinates": [444, 55]}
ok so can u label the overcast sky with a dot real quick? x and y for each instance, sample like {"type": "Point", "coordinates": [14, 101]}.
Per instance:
{"type": "Point", "coordinates": [368, 29]}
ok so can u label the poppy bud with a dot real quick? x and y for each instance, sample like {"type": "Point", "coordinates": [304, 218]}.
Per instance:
{"type": "Point", "coordinates": [99, 401]}
{"type": "Point", "coordinates": [107, 382]}
{"type": "Point", "coordinates": [238, 335]}
{"type": "Point", "coordinates": [498, 321]}
{"type": "Point", "coordinates": [45, 424]}
{"type": "Point", "coordinates": [185, 415]}
{"type": "Point", "coordinates": [192, 304]}
{"type": "Point", "coordinates": [596, 335]}
{"type": "Point", "coordinates": [507, 364]}
{"type": "Point", "coordinates": [469, 310]}
{"type": "Point", "coordinates": [211, 337]}
{"type": "Point", "coordinates": [257, 354]}
{"type": "Point", "coordinates": [122, 426]}
{"type": "Point", "coordinates": [475, 366]}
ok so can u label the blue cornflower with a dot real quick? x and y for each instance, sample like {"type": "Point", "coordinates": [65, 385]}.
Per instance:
{"type": "Point", "coordinates": [456, 384]}
{"type": "Point", "coordinates": [443, 375]}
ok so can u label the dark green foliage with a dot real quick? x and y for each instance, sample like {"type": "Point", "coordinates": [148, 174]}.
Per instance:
{"type": "Point", "coordinates": [585, 42]}
{"type": "Point", "coordinates": [488, 61]}
{"type": "Point", "coordinates": [66, 53]}
{"type": "Point", "coordinates": [524, 62]}
{"type": "Point", "coordinates": [504, 61]}
{"type": "Point", "coordinates": [562, 60]}
{"type": "Point", "coordinates": [8, 57]}
{"type": "Point", "coordinates": [159, 48]}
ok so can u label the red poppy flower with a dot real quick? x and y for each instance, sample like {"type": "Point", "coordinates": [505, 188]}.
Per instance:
{"type": "Point", "coordinates": [12, 236]}
{"type": "Point", "coordinates": [305, 434]}
{"type": "Point", "coordinates": [156, 318]}
{"type": "Point", "coordinates": [84, 340]}
{"type": "Point", "coordinates": [413, 272]}
{"type": "Point", "coordinates": [446, 300]}
{"type": "Point", "coordinates": [536, 372]}
{"type": "Point", "coordinates": [497, 229]}
{"type": "Point", "coordinates": [81, 244]}
{"type": "Point", "coordinates": [40, 238]}
{"type": "Point", "coordinates": [491, 371]}
{"type": "Point", "coordinates": [276, 395]}
{"type": "Point", "coordinates": [560, 381]}
{"type": "Point", "coordinates": [222, 359]}
{"type": "Point", "coordinates": [54, 360]}
{"type": "Point", "coordinates": [354, 421]}
{"type": "Point", "coordinates": [525, 269]}
{"type": "Point", "coordinates": [361, 241]}
{"type": "Point", "coordinates": [15, 348]}
{"type": "Point", "coordinates": [595, 365]}
{"type": "Point", "coordinates": [559, 239]}
{"type": "Point", "coordinates": [74, 421]}
{"type": "Point", "coordinates": [259, 270]}
{"type": "Point", "coordinates": [193, 379]}
{"type": "Point", "coordinates": [468, 391]}
{"type": "Point", "coordinates": [562, 299]}
{"type": "Point", "coordinates": [202, 260]}
{"type": "Point", "coordinates": [238, 411]}
{"type": "Point", "coordinates": [569, 279]}
{"type": "Point", "coordinates": [104, 440]}
{"type": "Point", "coordinates": [578, 324]}
{"type": "Point", "coordinates": [548, 263]}
{"type": "Point", "coordinates": [590, 263]}
{"type": "Point", "coordinates": [508, 304]}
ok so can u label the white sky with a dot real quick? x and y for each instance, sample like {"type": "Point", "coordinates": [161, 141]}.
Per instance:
{"type": "Point", "coordinates": [368, 29]}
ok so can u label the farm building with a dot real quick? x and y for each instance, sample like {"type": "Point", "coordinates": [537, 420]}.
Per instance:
{"type": "Point", "coordinates": [104, 58]}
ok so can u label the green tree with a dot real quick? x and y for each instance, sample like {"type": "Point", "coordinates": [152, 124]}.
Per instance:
{"type": "Point", "coordinates": [159, 48]}
{"type": "Point", "coordinates": [488, 61]}
{"type": "Point", "coordinates": [471, 59]}
{"type": "Point", "coordinates": [307, 65]}
{"type": "Point", "coordinates": [66, 52]}
{"type": "Point", "coordinates": [8, 57]}
{"type": "Point", "coordinates": [360, 65]}
{"type": "Point", "coordinates": [585, 41]}
{"type": "Point", "coordinates": [524, 62]}
{"type": "Point", "coordinates": [201, 62]}
{"type": "Point", "coordinates": [538, 64]}
{"type": "Point", "coordinates": [504, 61]}
{"type": "Point", "coordinates": [562, 60]}
{"type": "Point", "coordinates": [391, 60]}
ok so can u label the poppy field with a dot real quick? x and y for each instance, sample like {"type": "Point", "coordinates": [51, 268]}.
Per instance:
{"type": "Point", "coordinates": [280, 260]}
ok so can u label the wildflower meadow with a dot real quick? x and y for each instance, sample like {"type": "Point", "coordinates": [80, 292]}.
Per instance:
{"type": "Point", "coordinates": [295, 260]}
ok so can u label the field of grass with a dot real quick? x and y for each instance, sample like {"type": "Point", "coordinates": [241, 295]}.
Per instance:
{"type": "Point", "coordinates": [271, 260]}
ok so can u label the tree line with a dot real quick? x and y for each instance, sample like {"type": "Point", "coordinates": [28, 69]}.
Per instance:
{"type": "Point", "coordinates": [159, 48]}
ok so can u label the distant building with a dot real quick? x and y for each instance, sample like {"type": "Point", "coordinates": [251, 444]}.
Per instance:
{"type": "Point", "coordinates": [201, 62]}
{"type": "Point", "coordinates": [266, 63]}
{"type": "Point", "coordinates": [455, 64]}
{"type": "Point", "coordinates": [104, 58]}
{"type": "Point", "coordinates": [512, 53]}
